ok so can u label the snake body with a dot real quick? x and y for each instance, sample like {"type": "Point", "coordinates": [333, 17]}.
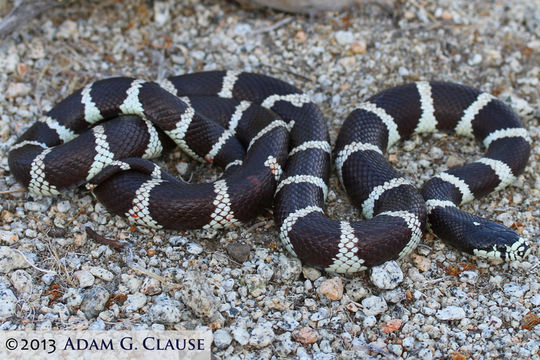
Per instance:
{"type": "Point", "coordinates": [272, 142]}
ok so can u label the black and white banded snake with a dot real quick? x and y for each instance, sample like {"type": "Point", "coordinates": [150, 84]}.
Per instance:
{"type": "Point", "coordinates": [273, 145]}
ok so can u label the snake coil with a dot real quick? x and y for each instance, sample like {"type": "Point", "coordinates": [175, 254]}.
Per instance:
{"type": "Point", "coordinates": [273, 144]}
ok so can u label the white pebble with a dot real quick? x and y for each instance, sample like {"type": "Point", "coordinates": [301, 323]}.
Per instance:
{"type": "Point", "coordinates": [374, 305]}
{"type": "Point", "coordinates": [450, 313]}
{"type": "Point", "coordinates": [85, 278]}
{"type": "Point", "coordinates": [387, 275]}
{"type": "Point", "coordinates": [194, 248]}
{"type": "Point", "coordinates": [344, 37]}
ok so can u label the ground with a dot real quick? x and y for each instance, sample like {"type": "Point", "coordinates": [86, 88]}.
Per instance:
{"type": "Point", "coordinates": [441, 304]}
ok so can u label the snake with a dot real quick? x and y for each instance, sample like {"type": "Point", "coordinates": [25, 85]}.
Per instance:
{"type": "Point", "coordinates": [272, 144]}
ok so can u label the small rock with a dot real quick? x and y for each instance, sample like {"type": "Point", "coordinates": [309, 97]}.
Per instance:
{"type": "Point", "coordinates": [9, 59]}
{"type": "Point", "coordinates": [305, 335]}
{"type": "Point", "coordinates": [222, 338]}
{"type": "Point", "coordinates": [395, 349]}
{"type": "Point", "coordinates": [94, 301]}
{"type": "Point", "coordinates": [255, 284]}
{"type": "Point", "coordinates": [67, 30]}
{"type": "Point", "coordinates": [135, 301]}
{"type": "Point", "coordinates": [262, 336]}
{"type": "Point", "coordinates": [151, 286]}
{"type": "Point", "coordinates": [165, 310]}
{"type": "Point", "coordinates": [11, 259]}
{"type": "Point", "coordinates": [387, 275]}
{"type": "Point", "coordinates": [446, 15]}
{"type": "Point", "coordinates": [63, 206]}
{"type": "Point", "coordinates": [358, 47]}
{"type": "Point", "coordinates": [469, 276]}
{"type": "Point", "coordinates": [453, 161]}
{"type": "Point", "coordinates": [8, 238]}
{"type": "Point", "coordinates": [374, 305]}
{"type": "Point", "coordinates": [369, 321]}
{"type": "Point", "coordinates": [178, 240]}
{"type": "Point", "coordinates": [450, 313]}
{"type": "Point", "coordinates": [311, 273]}
{"type": "Point", "coordinates": [344, 37]}
{"type": "Point", "coordinates": [17, 89]}
{"type": "Point", "coordinates": [97, 325]}
{"type": "Point", "coordinates": [422, 263]}
{"type": "Point", "coordinates": [408, 342]}
{"type": "Point", "coordinates": [8, 301]}
{"type": "Point", "coordinates": [239, 252]}
{"type": "Point", "coordinates": [391, 326]}
{"type": "Point", "coordinates": [194, 248]}
{"type": "Point", "coordinates": [289, 268]}
{"type": "Point", "coordinates": [102, 273]}
{"type": "Point", "coordinates": [514, 289]}
{"type": "Point", "coordinates": [161, 12]}
{"type": "Point", "coordinates": [197, 294]}
{"type": "Point", "coordinates": [85, 278]}
{"type": "Point", "coordinates": [394, 296]}
{"type": "Point", "coordinates": [22, 282]}
{"type": "Point", "coordinates": [332, 288]}
{"type": "Point", "coordinates": [241, 335]}
{"type": "Point", "coordinates": [356, 290]}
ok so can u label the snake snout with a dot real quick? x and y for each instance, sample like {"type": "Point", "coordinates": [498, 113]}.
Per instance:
{"type": "Point", "coordinates": [497, 242]}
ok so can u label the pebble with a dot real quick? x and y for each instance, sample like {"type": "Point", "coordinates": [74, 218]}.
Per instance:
{"type": "Point", "coordinates": [197, 295]}
{"type": "Point", "coordinates": [422, 263]}
{"type": "Point", "coordinates": [369, 321]}
{"type": "Point", "coordinates": [10, 58]}
{"type": "Point", "coordinates": [165, 310]}
{"type": "Point", "coordinates": [239, 252]}
{"type": "Point", "coordinates": [356, 290]}
{"type": "Point", "coordinates": [8, 237]}
{"type": "Point", "coordinates": [469, 276]}
{"type": "Point", "coordinates": [358, 47]}
{"type": "Point", "coordinates": [101, 273]}
{"type": "Point", "coordinates": [450, 313]}
{"type": "Point", "coordinates": [17, 89]}
{"type": "Point", "coordinates": [332, 289]}
{"type": "Point", "coordinates": [178, 240]}
{"type": "Point", "coordinates": [22, 282]}
{"type": "Point", "coordinates": [151, 286]}
{"type": "Point", "coordinates": [255, 284]}
{"type": "Point", "coordinates": [289, 268]}
{"type": "Point", "coordinates": [262, 336]}
{"type": "Point", "coordinates": [374, 305]}
{"type": "Point", "coordinates": [515, 289]}
{"type": "Point", "coordinates": [394, 296]}
{"type": "Point", "coordinates": [84, 277]}
{"type": "Point", "coordinates": [8, 302]}
{"type": "Point", "coordinates": [67, 30]}
{"type": "Point", "coordinates": [311, 273]}
{"type": "Point", "coordinates": [94, 301]}
{"type": "Point", "coordinates": [344, 37]}
{"type": "Point", "coordinates": [305, 335]}
{"type": "Point", "coordinates": [11, 259]}
{"type": "Point", "coordinates": [222, 338]}
{"type": "Point", "coordinates": [135, 302]}
{"type": "Point", "coordinates": [387, 275]}
{"type": "Point", "coordinates": [194, 248]}
{"type": "Point", "coordinates": [241, 335]}
{"type": "Point", "coordinates": [63, 206]}
{"type": "Point", "coordinates": [453, 161]}
{"type": "Point", "coordinates": [391, 325]}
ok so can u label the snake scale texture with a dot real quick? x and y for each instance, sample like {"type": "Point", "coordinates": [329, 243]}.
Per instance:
{"type": "Point", "coordinates": [272, 143]}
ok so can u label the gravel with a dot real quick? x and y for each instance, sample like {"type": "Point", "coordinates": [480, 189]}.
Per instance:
{"type": "Point", "coordinates": [260, 302]}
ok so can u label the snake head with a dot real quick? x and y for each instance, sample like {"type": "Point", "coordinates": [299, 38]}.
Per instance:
{"type": "Point", "coordinates": [494, 241]}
